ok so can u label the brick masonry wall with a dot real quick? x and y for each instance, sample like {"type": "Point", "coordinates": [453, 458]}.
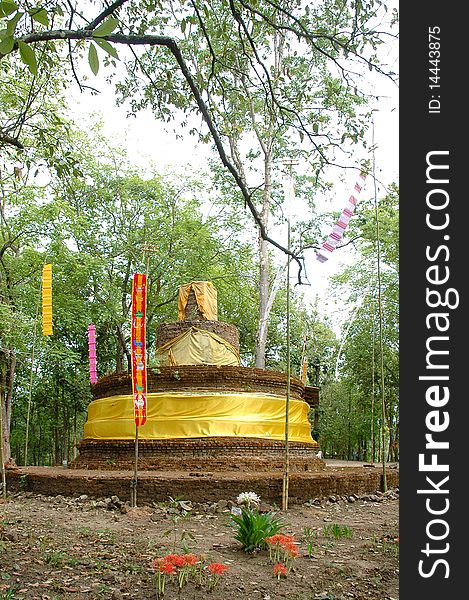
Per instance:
{"type": "Point", "coordinates": [198, 487]}
{"type": "Point", "coordinates": [213, 454]}
{"type": "Point", "coordinates": [168, 331]}
{"type": "Point", "coordinates": [203, 378]}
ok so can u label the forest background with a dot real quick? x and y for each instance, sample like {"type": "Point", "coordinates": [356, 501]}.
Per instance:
{"type": "Point", "coordinates": [253, 84]}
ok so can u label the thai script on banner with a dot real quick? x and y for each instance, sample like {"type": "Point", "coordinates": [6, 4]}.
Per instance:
{"type": "Point", "coordinates": [338, 230]}
{"type": "Point", "coordinates": [47, 300]}
{"type": "Point", "coordinates": [92, 352]}
{"type": "Point", "coordinates": [139, 372]}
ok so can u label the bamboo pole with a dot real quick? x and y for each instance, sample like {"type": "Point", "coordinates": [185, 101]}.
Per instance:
{"type": "Point", "coordinates": [380, 316]}
{"type": "Point", "coordinates": [30, 391]}
{"type": "Point", "coordinates": [373, 386]}
{"type": "Point", "coordinates": [287, 403]}
{"type": "Point", "coordinates": [2, 454]}
{"type": "Point", "coordinates": [134, 482]}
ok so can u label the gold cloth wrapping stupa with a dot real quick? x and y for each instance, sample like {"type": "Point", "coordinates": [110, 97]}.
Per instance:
{"type": "Point", "coordinates": [201, 403]}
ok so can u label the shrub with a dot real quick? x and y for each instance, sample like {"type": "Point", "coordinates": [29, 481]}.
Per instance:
{"type": "Point", "coordinates": [252, 528]}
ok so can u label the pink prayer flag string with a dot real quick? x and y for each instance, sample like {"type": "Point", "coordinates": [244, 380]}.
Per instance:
{"type": "Point", "coordinates": [92, 352]}
{"type": "Point", "coordinates": [340, 226]}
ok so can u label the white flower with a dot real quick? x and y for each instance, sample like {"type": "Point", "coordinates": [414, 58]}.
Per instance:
{"type": "Point", "coordinates": [248, 498]}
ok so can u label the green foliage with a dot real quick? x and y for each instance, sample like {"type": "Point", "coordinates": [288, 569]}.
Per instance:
{"type": "Point", "coordinates": [40, 16]}
{"type": "Point", "coordinates": [28, 56]}
{"type": "Point", "coordinates": [93, 59]}
{"type": "Point", "coordinates": [107, 47]}
{"type": "Point", "coordinates": [106, 27]}
{"type": "Point", "coordinates": [56, 559]}
{"type": "Point", "coordinates": [310, 536]}
{"type": "Point", "coordinates": [252, 527]}
{"type": "Point", "coordinates": [351, 417]}
{"type": "Point", "coordinates": [7, 8]}
{"type": "Point", "coordinates": [336, 531]}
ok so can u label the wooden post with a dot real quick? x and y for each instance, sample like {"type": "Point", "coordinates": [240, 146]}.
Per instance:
{"type": "Point", "coordinates": [2, 454]}
{"type": "Point", "coordinates": [287, 403]}
{"type": "Point", "coordinates": [380, 320]}
{"type": "Point", "coordinates": [134, 482]}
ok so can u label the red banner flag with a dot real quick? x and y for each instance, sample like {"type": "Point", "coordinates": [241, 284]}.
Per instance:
{"type": "Point", "coordinates": [139, 371]}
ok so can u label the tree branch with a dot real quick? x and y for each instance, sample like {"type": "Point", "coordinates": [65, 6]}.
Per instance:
{"type": "Point", "coordinates": [106, 13]}
{"type": "Point", "coordinates": [11, 141]}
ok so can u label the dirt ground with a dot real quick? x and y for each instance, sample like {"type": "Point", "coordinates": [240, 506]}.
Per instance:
{"type": "Point", "coordinates": [77, 548]}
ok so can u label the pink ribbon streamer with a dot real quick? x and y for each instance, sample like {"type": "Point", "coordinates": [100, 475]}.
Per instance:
{"type": "Point", "coordinates": [338, 230]}
{"type": "Point", "coordinates": [92, 352]}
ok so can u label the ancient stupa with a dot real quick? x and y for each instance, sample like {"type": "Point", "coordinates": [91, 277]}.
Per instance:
{"type": "Point", "coordinates": [204, 410]}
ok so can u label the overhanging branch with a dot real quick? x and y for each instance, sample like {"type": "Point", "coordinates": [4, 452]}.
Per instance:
{"type": "Point", "coordinates": [171, 44]}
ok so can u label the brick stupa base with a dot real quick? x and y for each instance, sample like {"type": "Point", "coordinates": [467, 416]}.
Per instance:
{"type": "Point", "coordinates": [215, 453]}
{"type": "Point", "coordinates": [197, 454]}
{"type": "Point", "coordinates": [158, 486]}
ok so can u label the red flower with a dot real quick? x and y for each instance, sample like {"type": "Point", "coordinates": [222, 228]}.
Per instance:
{"type": "Point", "coordinates": [217, 568]}
{"type": "Point", "coordinates": [190, 559]}
{"type": "Point", "coordinates": [292, 549]}
{"type": "Point", "coordinates": [287, 539]}
{"type": "Point", "coordinates": [274, 539]}
{"type": "Point", "coordinates": [176, 560]}
{"type": "Point", "coordinates": [280, 570]}
{"type": "Point", "coordinates": [280, 538]}
{"type": "Point", "coordinates": [167, 568]}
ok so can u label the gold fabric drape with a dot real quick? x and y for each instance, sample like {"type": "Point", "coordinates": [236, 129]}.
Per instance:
{"type": "Point", "coordinates": [193, 415]}
{"type": "Point", "coordinates": [197, 347]}
{"type": "Point", "coordinates": [205, 295]}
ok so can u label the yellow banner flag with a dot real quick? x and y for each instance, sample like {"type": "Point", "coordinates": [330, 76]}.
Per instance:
{"type": "Point", "coordinates": [47, 300]}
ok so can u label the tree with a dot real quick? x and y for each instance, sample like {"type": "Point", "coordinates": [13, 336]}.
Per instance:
{"type": "Point", "coordinates": [263, 95]}
{"type": "Point", "coordinates": [34, 141]}
{"type": "Point", "coordinates": [359, 362]}
{"type": "Point", "coordinates": [352, 36]}
{"type": "Point", "coordinates": [95, 230]}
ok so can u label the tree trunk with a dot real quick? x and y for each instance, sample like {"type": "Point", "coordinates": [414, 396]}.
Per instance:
{"type": "Point", "coordinates": [262, 329]}
{"type": "Point", "coordinates": [264, 266]}
{"type": "Point", "coordinates": [7, 379]}
{"type": "Point", "coordinates": [267, 143]}
{"type": "Point", "coordinates": [122, 351]}
{"type": "Point", "coordinates": [56, 457]}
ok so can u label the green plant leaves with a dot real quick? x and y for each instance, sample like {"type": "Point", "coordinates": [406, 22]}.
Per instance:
{"type": "Point", "coordinates": [11, 24]}
{"type": "Point", "coordinates": [101, 31]}
{"type": "Point", "coordinates": [6, 45]}
{"type": "Point", "coordinates": [40, 15]}
{"type": "Point", "coordinates": [106, 27]}
{"type": "Point", "coordinates": [7, 8]}
{"type": "Point", "coordinates": [107, 47]}
{"type": "Point", "coordinates": [253, 527]}
{"type": "Point", "coordinates": [93, 59]}
{"type": "Point", "coordinates": [28, 56]}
